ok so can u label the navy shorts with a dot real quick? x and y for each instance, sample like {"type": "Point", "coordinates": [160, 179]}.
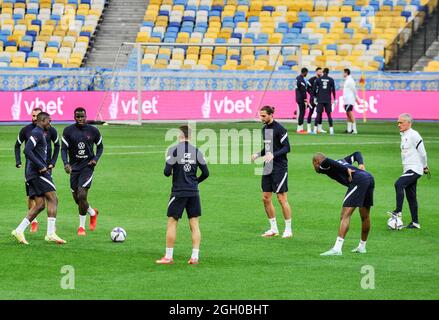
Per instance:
{"type": "Point", "coordinates": [324, 106]}
{"type": "Point", "coordinates": [276, 182]}
{"type": "Point", "coordinates": [360, 191]}
{"type": "Point", "coordinates": [177, 205]}
{"type": "Point", "coordinates": [81, 179]}
{"type": "Point", "coordinates": [26, 185]}
{"type": "Point", "coordinates": [39, 186]}
{"type": "Point", "coordinates": [348, 107]}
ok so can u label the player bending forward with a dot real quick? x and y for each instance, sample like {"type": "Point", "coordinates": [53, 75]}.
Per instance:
{"type": "Point", "coordinates": [360, 185]}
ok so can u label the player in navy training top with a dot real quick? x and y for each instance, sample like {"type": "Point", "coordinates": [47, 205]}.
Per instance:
{"type": "Point", "coordinates": [323, 88]}
{"type": "Point", "coordinates": [80, 160]}
{"type": "Point", "coordinates": [301, 98]}
{"type": "Point", "coordinates": [275, 173]}
{"type": "Point", "coordinates": [312, 100]}
{"type": "Point", "coordinates": [39, 179]}
{"type": "Point", "coordinates": [51, 136]}
{"type": "Point", "coordinates": [360, 185]}
{"type": "Point", "coordinates": [182, 162]}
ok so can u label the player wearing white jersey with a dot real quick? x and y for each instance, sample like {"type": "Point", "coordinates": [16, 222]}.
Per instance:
{"type": "Point", "coordinates": [350, 96]}
{"type": "Point", "coordinates": [414, 161]}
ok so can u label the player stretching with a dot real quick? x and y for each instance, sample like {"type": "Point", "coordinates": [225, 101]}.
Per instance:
{"type": "Point", "coordinates": [359, 195]}
{"type": "Point", "coordinates": [182, 162]}
{"type": "Point", "coordinates": [40, 183]}
{"type": "Point", "coordinates": [51, 136]}
{"type": "Point", "coordinates": [275, 174]}
{"type": "Point", "coordinates": [79, 161]}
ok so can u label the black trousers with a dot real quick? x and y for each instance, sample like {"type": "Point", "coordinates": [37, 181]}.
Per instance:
{"type": "Point", "coordinates": [301, 115]}
{"type": "Point", "coordinates": [407, 183]}
{"type": "Point", "coordinates": [312, 107]}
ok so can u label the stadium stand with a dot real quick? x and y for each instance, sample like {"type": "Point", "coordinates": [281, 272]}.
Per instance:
{"type": "Point", "coordinates": [334, 33]}
{"type": "Point", "coordinates": [45, 33]}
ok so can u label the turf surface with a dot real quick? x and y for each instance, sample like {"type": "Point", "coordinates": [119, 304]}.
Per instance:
{"type": "Point", "coordinates": [131, 191]}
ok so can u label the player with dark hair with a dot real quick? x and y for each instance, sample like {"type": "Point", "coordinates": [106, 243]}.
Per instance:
{"type": "Point", "coordinates": [80, 161]}
{"type": "Point", "coordinates": [323, 88]}
{"type": "Point", "coordinates": [350, 96]}
{"type": "Point", "coordinates": [301, 98]}
{"type": "Point", "coordinates": [40, 184]}
{"type": "Point", "coordinates": [182, 162]}
{"type": "Point", "coordinates": [51, 135]}
{"type": "Point", "coordinates": [312, 100]}
{"type": "Point", "coordinates": [360, 185]}
{"type": "Point", "coordinates": [275, 173]}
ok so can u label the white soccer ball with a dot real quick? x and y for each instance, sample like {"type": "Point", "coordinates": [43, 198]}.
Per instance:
{"type": "Point", "coordinates": [395, 223]}
{"type": "Point", "coordinates": [118, 234]}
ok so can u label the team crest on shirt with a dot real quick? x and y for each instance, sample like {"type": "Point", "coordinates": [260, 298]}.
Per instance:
{"type": "Point", "coordinates": [187, 167]}
{"type": "Point", "coordinates": [81, 145]}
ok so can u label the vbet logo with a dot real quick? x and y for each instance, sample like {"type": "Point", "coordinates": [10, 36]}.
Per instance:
{"type": "Point", "coordinates": [50, 106]}
{"type": "Point", "coordinates": [368, 105]}
{"type": "Point", "coordinates": [224, 105]}
{"type": "Point", "coordinates": [129, 105]}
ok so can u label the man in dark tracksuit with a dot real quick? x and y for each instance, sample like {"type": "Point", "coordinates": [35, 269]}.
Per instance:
{"type": "Point", "coordinates": [301, 98]}
{"type": "Point", "coordinates": [312, 100]}
{"type": "Point", "coordinates": [51, 136]}
{"type": "Point", "coordinates": [323, 88]}
{"type": "Point", "coordinates": [182, 162]}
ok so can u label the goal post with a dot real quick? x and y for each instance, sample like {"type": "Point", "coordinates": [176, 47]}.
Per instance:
{"type": "Point", "coordinates": [160, 68]}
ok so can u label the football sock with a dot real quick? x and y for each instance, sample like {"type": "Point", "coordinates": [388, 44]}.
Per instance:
{"type": "Point", "coordinates": [308, 126]}
{"type": "Point", "coordinates": [51, 226]}
{"type": "Point", "coordinates": [169, 253]}
{"type": "Point", "coordinates": [349, 126]}
{"type": "Point", "coordinates": [23, 225]}
{"type": "Point", "coordinates": [331, 130]}
{"type": "Point", "coordinates": [354, 126]}
{"type": "Point", "coordinates": [273, 224]}
{"type": "Point", "coordinates": [195, 253]}
{"type": "Point", "coordinates": [362, 244]}
{"type": "Point", "coordinates": [91, 211]}
{"type": "Point", "coordinates": [288, 225]}
{"type": "Point", "coordinates": [338, 244]}
{"type": "Point", "coordinates": [300, 128]}
{"type": "Point", "coordinates": [82, 221]}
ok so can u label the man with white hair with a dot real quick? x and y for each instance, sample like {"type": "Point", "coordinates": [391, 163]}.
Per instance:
{"type": "Point", "coordinates": [414, 161]}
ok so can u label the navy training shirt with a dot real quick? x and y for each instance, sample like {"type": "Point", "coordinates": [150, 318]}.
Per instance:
{"type": "Point", "coordinates": [51, 136]}
{"type": "Point", "coordinates": [36, 153]}
{"type": "Point", "coordinates": [301, 89]}
{"type": "Point", "coordinates": [276, 141]}
{"type": "Point", "coordinates": [182, 161]}
{"type": "Point", "coordinates": [323, 88]}
{"type": "Point", "coordinates": [77, 145]}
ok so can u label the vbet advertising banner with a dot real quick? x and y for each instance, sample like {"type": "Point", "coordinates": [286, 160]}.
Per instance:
{"type": "Point", "coordinates": [201, 105]}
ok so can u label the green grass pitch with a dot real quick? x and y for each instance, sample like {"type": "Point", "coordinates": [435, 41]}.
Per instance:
{"type": "Point", "coordinates": [130, 190]}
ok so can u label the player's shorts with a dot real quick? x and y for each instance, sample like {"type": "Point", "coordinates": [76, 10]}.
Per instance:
{"type": "Point", "coordinates": [312, 103]}
{"type": "Point", "coordinates": [324, 106]}
{"type": "Point", "coordinates": [81, 179]}
{"type": "Point", "coordinates": [348, 107]}
{"type": "Point", "coordinates": [26, 186]}
{"type": "Point", "coordinates": [360, 191]}
{"type": "Point", "coordinates": [177, 205]}
{"type": "Point", "coordinates": [41, 185]}
{"type": "Point", "coordinates": [276, 182]}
